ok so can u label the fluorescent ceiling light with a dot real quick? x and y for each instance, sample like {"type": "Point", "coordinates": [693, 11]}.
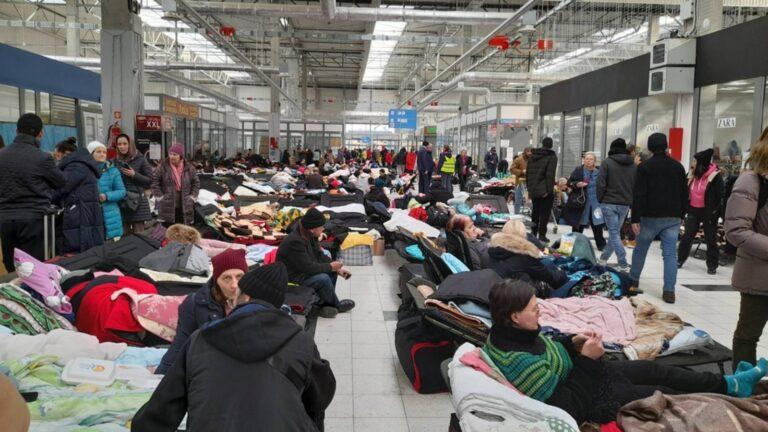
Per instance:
{"type": "Point", "coordinates": [284, 23]}
{"type": "Point", "coordinates": [563, 60]}
{"type": "Point", "coordinates": [380, 51]}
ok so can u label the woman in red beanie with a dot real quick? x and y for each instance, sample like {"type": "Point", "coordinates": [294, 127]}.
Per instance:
{"type": "Point", "coordinates": [213, 301]}
{"type": "Point", "coordinates": [175, 186]}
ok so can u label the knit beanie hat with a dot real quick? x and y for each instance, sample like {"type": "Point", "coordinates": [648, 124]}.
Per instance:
{"type": "Point", "coordinates": [312, 219]}
{"type": "Point", "coordinates": [230, 259]}
{"type": "Point", "coordinates": [657, 142]}
{"type": "Point", "coordinates": [177, 148]}
{"type": "Point", "coordinates": [704, 157]}
{"type": "Point", "coordinates": [93, 145]}
{"type": "Point", "coordinates": [267, 283]}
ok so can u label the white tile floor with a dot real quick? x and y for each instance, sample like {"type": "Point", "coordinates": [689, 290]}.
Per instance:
{"type": "Point", "coordinates": [373, 394]}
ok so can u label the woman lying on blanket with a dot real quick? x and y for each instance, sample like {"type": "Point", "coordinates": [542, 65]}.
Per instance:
{"type": "Point", "coordinates": [569, 373]}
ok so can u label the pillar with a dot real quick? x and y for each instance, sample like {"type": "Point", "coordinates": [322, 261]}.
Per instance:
{"type": "Point", "coordinates": [274, 100]}
{"type": "Point", "coordinates": [304, 81]}
{"type": "Point", "coordinates": [653, 29]}
{"type": "Point", "coordinates": [318, 103]}
{"type": "Point", "coordinates": [122, 65]}
{"type": "Point", "coordinates": [73, 34]}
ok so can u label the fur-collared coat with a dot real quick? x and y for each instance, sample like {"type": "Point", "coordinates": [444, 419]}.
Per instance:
{"type": "Point", "coordinates": [514, 257]}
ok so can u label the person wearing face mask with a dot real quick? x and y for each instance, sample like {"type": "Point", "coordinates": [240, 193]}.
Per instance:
{"type": "Point", "coordinates": [254, 370]}
{"type": "Point", "coordinates": [175, 186]}
{"type": "Point", "coordinates": [137, 177]}
{"type": "Point", "coordinates": [28, 177]}
{"type": "Point", "coordinates": [567, 372]}
{"type": "Point", "coordinates": [213, 301]}
{"type": "Point", "coordinates": [111, 191]}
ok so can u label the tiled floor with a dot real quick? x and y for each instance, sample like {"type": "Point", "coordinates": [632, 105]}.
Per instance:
{"type": "Point", "coordinates": [372, 391]}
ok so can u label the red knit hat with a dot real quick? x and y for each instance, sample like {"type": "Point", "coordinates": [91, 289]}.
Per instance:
{"type": "Point", "coordinates": [230, 259]}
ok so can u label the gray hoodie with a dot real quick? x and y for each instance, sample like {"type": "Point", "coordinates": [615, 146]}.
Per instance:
{"type": "Point", "coordinates": [616, 180]}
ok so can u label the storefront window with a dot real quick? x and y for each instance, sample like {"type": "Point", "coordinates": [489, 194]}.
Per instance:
{"type": "Point", "coordinates": [620, 117]}
{"type": "Point", "coordinates": [572, 136]}
{"type": "Point", "coordinates": [654, 114]}
{"type": "Point", "coordinates": [550, 127]}
{"type": "Point", "coordinates": [726, 112]}
{"type": "Point", "coordinates": [44, 108]}
{"type": "Point", "coordinates": [9, 103]}
{"type": "Point", "coordinates": [29, 102]}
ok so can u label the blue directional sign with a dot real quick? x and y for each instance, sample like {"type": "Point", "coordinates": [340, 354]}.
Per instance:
{"type": "Point", "coordinates": [402, 118]}
{"type": "Point", "coordinates": [365, 140]}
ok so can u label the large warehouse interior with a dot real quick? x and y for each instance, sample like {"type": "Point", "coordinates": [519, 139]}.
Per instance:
{"type": "Point", "coordinates": [383, 215]}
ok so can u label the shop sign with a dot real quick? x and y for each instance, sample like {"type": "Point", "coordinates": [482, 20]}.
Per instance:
{"type": "Point", "coordinates": [179, 108]}
{"type": "Point", "coordinates": [726, 122]}
{"type": "Point", "coordinates": [167, 123]}
{"type": "Point", "coordinates": [148, 123]}
{"type": "Point", "coordinates": [653, 127]}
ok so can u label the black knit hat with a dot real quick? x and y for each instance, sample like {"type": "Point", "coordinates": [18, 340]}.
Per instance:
{"type": "Point", "coordinates": [312, 219]}
{"type": "Point", "coordinates": [704, 157]}
{"type": "Point", "coordinates": [267, 283]}
{"type": "Point", "coordinates": [657, 142]}
{"type": "Point", "coordinates": [618, 143]}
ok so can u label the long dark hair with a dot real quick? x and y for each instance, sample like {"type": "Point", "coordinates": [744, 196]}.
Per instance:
{"type": "Point", "coordinates": [700, 169]}
{"type": "Point", "coordinates": [507, 297]}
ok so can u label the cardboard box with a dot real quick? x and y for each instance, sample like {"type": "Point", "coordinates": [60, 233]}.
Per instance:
{"type": "Point", "coordinates": [378, 247]}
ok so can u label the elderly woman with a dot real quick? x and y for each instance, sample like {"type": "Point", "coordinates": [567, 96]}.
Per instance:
{"type": "Point", "coordinates": [476, 239]}
{"type": "Point", "coordinates": [175, 186]}
{"type": "Point", "coordinates": [568, 372]}
{"type": "Point", "coordinates": [583, 208]}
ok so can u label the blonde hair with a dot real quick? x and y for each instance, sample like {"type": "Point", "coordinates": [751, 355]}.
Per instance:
{"type": "Point", "coordinates": [515, 227]}
{"type": "Point", "coordinates": [758, 154]}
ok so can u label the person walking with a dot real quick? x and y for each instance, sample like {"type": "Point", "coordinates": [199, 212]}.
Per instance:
{"type": "Point", "coordinates": [615, 184]}
{"type": "Point", "coordinates": [446, 166]}
{"type": "Point", "coordinates": [583, 181]}
{"type": "Point", "coordinates": [82, 220]}
{"type": "Point", "coordinates": [542, 167]}
{"type": "Point", "coordinates": [491, 162]}
{"type": "Point", "coordinates": [111, 191]}
{"type": "Point", "coordinates": [137, 177]}
{"type": "Point", "coordinates": [746, 227]}
{"type": "Point", "coordinates": [399, 161]}
{"type": "Point", "coordinates": [658, 207]}
{"type": "Point", "coordinates": [519, 170]}
{"type": "Point", "coordinates": [175, 185]}
{"type": "Point", "coordinates": [705, 187]}
{"type": "Point", "coordinates": [426, 166]}
{"type": "Point", "coordinates": [410, 161]}
{"type": "Point", "coordinates": [463, 168]}
{"type": "Point", "coordinates": [28, 177]}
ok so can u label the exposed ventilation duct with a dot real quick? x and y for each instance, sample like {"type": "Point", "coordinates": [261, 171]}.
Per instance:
{"type": "Point", "coordinates": [328, 8]}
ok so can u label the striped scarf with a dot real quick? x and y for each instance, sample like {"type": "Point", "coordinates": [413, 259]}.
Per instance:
{"type": "Point", "coordinates": [535, 375]}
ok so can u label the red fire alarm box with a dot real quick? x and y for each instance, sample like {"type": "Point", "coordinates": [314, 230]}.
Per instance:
{"type": "Point", "coordinates": [676, 143]}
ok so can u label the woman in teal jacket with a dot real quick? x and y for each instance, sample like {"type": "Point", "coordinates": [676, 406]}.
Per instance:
{"type": "Point", "coordinates": [111, 190]}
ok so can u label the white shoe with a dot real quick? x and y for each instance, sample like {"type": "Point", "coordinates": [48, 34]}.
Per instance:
{"type": "Point", "coordinates": [602, 262]}
{"type": "Point", "coordinates": [625, 269]}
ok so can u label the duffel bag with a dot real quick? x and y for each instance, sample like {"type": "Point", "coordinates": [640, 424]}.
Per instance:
{"type": "Point", "coordinates": [420, 354]}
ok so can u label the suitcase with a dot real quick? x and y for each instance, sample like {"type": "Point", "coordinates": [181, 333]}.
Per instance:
{"type": "Point", "coordinates": [421, 353]}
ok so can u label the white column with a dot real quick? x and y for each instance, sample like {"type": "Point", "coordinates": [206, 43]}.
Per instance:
{"type": "Point", "coordinates": [73, 34]}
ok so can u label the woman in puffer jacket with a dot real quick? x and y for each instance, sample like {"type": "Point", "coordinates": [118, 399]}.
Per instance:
{"type": "Point", "coordinates": [111, 191]}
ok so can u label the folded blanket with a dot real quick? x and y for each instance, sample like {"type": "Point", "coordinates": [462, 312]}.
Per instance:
{"type": "Point", "coordinates": [64, 344]}
{"type": "Point", "coordinates": [614, 319]}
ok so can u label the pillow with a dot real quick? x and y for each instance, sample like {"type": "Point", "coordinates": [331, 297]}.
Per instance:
{"type": "Point", "coordinates": [42, 278]}
{"type": "Point", "coordinates": [454, 263]}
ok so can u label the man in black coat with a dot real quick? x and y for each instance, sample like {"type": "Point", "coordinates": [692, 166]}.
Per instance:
{"type": "Point", "coordinates": [28, 177]}
{"type": "Point", "coordinates": [659, 206]}
{"type": "Point", "coordinates": [540, 178]}
{"type": "Point", "coordinates": [309, 266]}
{"type": "Point", "coordinates": [254, 370]}
{"type": "Point", "coordinates": [425, 164]}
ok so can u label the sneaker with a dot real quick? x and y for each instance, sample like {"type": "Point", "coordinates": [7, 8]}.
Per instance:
{"type": "Point", "coordinates": [602, 262]}
{"type": "Point", "coordinates": [712, 271]}
{"type": "Point", "coordinates": [328, 312]}
{"type": "Point", "coordinates": [624, 268]}
{"type": "Point", "coordinates": [345, 305]}
{"type": "Point", "coordinates": [668, 297]}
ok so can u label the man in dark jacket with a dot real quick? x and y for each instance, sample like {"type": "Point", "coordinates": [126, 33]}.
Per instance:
{"type": "Point", "coordinates": [540, 179]}
{"type": "Point", "coordinates": [309, 266]}
{"type": "Point", "coordinates": [615, 183]}
{"type": "Point", "coordinates": [426, 166]}
{"type": "Point", "coordinates": [658, 207]}
{"type": "Point", "coordinates": [254, 370]}
{"type": "Point", "coordinates": [491, 162]}
{"type": "Point", "coordinates": [28, 177]}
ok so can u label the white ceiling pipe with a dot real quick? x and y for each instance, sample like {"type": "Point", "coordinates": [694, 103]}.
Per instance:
{"type": "Point", "coordinates": [343, 13]}
{"type": "Point", "coordinates": [161, 65]}
{"type": "Point", "coordinates": [328, 8]}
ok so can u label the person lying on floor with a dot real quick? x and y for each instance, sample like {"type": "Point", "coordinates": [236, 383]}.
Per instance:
{"type": "Point", "coordinates": [511, 255]}
{"type": "Point", "coordinates": [256, 369]}
{"type": "Point", "coordinates": [568, 372]}
{"type": "Point", "coordinates": [476, 238]}
{"type": "Point", "coordinates": [213, 301]}
{"type": "Point", "coordinates": [309, 266]}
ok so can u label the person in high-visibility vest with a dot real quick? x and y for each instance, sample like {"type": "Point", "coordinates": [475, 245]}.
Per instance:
{"type": "Point", "coordinates": [446, 166]}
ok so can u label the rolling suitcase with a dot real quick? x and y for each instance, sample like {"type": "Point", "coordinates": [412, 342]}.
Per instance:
{"type": "Point", "coordinates": [49, 232]}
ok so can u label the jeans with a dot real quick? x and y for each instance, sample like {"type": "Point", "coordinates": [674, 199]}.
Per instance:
{"type": "Point", "coordinates": [697, 217]}
{"type": "Point", "coordinates": [424, 178]}
{"type": "Point", "coordinates": [491, 171]}
{"type": "Point", "coordinates": [542, 208]}
{"type": "Point", "coordinates": [597, 231]}
{"type": "Point", "coordinates": [324, 285]}
{"type": "Point", "coordinates": [668, 229]}
{"type": "Point", "coordinates": [447, 181]}
{"type": "Point", "coordinates": [614, 215]}
{"type": "Point", "coordinates": [519, 197]}
{"type": "Point", "coordinates": [753, 314]}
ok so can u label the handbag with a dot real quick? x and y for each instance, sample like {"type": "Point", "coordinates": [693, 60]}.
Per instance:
{"type": "Point", "coordinates": [131, 201]}
{"type": "Point", "coordinates": [577, 199]}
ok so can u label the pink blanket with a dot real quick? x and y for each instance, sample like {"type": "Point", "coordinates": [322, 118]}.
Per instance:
{"type": "Point", "coordinates": [155, 313]}
{"type": "Point", "coordinates": [614, 319]}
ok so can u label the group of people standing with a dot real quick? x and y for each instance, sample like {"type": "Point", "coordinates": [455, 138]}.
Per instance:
{"type": "Point", "coordinates": [100, 199]}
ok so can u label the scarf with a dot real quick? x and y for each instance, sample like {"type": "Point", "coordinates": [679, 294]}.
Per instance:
{"type": "Point", "coordinates": [537, 376]}
{"type": "Point", "coordinates": [177, 172]}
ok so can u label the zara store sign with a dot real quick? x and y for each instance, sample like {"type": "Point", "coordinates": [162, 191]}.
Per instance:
{"type": "Point", "coordinates": [726, 122]}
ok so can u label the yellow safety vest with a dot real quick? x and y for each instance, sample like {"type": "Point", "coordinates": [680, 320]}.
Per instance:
{"type": "Point", "coordinates": [449, 165]}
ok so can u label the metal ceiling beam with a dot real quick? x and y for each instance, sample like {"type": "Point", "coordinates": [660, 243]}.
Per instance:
{"type": "Point", "coordinates": [161, 65]}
